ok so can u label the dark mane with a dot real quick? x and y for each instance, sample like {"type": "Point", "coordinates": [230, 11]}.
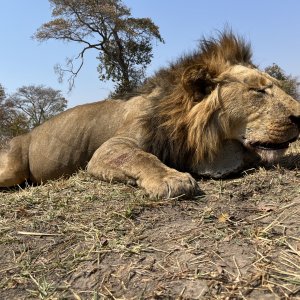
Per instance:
{"type": "Point", "coordinates": [169, 123]}
{"type": "Point", "coordinates": [214, 54]}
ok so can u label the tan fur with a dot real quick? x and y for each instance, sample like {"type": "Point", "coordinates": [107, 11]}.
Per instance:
{"type": "Point", "coordinates": [211, 113]}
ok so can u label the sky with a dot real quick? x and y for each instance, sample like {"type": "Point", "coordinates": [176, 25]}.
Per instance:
{"type": "Point", "coordinates": [272, 27]}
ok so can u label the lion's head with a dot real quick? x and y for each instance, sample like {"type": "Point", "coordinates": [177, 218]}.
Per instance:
{"type": "Point", "coordinates": [214, 96]}
{"type": "Point", "coordinates": [259, 113]}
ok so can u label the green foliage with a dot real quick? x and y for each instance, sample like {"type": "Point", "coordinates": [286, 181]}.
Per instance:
{"type": "Point", "coordinates": [289, 83]}
{"type": "Point", "coordinates": [123, 43]}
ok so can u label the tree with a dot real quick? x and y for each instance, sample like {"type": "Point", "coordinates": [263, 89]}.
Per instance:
{"type": "Point", "coordinates": [36, 103]}
{"type": "Point", "coordinates": [27, 108]}
{"type": "Point", "coordinates": [12, 123]}
{"type": "Point", "coordinates": [123, 43]}
{"type": "Point", "coordinates": [2, 93]}
{"type": "Point", "coordinates": [289, 83]}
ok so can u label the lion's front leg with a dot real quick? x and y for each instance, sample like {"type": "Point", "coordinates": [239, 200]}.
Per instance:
{"type": "Point", "coordinates": [120, 159]}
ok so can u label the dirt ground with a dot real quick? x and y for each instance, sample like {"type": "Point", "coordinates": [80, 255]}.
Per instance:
{"type": "Point", "coordinates": [84, 239]}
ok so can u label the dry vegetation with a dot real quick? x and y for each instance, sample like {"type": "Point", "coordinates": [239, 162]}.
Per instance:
{"type": "Point", "coordinates": [84, 239]}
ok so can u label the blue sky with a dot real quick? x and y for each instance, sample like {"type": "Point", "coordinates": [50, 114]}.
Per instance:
{"type": "Point", "coordinates": [272, 27]}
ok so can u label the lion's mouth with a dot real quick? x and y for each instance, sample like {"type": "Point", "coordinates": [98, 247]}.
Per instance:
{"type": "Point", "coordinates": [267, 145]}
{"type": "Point", "coordinates": [269, 152]}
{"type": "Point", "coordinates": [272, 146]}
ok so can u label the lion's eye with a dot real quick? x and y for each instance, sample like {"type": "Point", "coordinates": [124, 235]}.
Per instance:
{"type": "Point", "coordinates": [263, 89]}
{"type": "Point", "coordinates": [259, 91]}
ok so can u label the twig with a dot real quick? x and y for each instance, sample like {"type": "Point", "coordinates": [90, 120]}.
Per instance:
{"type": "Point", "coordinates": [238, 269]}
{"type": "Point", "coordinates": [38, 233]}
{"type": "Point", "coordinates": [109, 292]}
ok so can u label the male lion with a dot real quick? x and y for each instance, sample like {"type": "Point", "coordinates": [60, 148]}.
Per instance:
{"type": "Point", "coordinates": [211, 113]}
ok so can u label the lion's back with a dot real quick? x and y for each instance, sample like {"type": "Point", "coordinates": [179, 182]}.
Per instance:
{"type": "Point", "coordinates": [66, 142]}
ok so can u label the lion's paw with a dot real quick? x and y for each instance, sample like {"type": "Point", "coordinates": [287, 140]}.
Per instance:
{"type": "Point", "coordinates": [170, 185]}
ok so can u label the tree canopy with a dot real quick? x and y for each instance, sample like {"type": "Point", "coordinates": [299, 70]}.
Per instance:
{"type": "Point", "coordinates": [2, 93]}
{"type": "Point", "coordinates": [27, 108]}
{"type": "Point", "coordinates": [289, 83]}
{"type": "Point", "coordinates": [37, 103]}
{"type": "Point", "coordinates": [123, 43]}
{"type": "Point", "coordinates": [12, 123]}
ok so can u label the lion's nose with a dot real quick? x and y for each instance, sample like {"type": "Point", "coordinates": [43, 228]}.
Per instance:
{"type": "Point", "coordinates": [295, 120]}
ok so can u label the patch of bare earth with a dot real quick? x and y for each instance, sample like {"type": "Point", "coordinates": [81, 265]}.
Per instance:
{"type": "Point", "coordinates": [84, 239]}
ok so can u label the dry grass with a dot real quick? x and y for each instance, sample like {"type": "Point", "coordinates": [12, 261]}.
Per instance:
{"type": "Point", "coordinates": [84, 239]}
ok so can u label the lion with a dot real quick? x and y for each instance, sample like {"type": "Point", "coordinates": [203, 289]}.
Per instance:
{"type": "Point", "coordinates": [211, 113]}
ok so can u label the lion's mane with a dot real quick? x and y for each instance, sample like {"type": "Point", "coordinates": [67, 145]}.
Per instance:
{"type": "Point", "coordinates": [179, 129]}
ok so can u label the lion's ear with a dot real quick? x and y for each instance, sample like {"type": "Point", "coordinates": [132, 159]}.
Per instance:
{"type": "Point", "coordinates": [197, 81]}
